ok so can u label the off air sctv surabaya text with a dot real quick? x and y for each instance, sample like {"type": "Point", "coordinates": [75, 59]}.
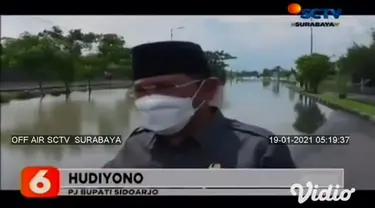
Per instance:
{"type": "Point", "coordinates": [66, 139]}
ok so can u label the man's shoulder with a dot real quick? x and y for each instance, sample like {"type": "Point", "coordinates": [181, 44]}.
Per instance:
{"type": "Point", "coordinates": [139, 131]}
{"type": "Point", "coordinates": [140, 136]}
{"type": "Point", "coordinates": [132, 154]}
{"type": "Point", "coordinates": [255, 150]}
{"type": "Point", "coordinates": [247, 130]}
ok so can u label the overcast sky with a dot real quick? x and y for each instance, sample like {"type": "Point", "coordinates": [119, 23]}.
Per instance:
{"type": "Point", "coordinates": [258, 41]}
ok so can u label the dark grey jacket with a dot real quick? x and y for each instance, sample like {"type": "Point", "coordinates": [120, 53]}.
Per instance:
{"type": "Point", "coordinates": [227, 142]}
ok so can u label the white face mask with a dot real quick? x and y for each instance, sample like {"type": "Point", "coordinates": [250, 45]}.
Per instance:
{"type": "Point", "coordinates": [164, 114]}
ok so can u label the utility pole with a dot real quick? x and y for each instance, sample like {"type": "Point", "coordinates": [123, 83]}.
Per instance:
{"type": "Point", "coordinates": [172, 30]}
{"type": "Point", "coordinates": [311, 39]}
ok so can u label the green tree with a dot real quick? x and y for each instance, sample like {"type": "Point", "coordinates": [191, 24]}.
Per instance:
{"type": "Point", "coordinates": [248, 74]}
{"type": "Point", "coordinates": [117, 57]}
{"type": "Point", "coordinates": [4, 57]}
{"type": "Point", "coordinates": [217, 62]}
{"type": "Point", "coordinates": [31, 54]}
{"type": "Point", "coordinates": [285, 73]}
{"type": "Point", "coordinates": [67, 56]}
{"type": "Point", "coordinates": [65, 65]}
{"type": "Point", "coordinates": [266, 73]}
{"type": "Point", "coordinates": [359, 61]}
{"type": "Point", "coordinates": [313, 69]}
{"type": "Point", "coordinates": [90, 66]}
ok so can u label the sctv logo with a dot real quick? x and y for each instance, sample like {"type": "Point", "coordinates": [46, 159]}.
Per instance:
{"type": "Point", "coordinates": [315, 13]}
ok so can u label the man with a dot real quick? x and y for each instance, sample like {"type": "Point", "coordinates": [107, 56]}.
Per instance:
{"type": "Point", "coordinates": [173, 88]}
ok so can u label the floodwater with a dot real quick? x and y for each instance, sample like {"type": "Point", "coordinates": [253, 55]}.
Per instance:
{"type": "Point", "coordinates": [267, 104]}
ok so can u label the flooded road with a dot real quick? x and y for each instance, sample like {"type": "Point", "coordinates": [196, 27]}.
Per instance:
{"type": "Point", "coordinates": [268, 105]}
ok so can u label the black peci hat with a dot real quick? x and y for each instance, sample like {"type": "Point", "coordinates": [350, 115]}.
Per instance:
{"type": "Point", "coordinates": [169, 57]}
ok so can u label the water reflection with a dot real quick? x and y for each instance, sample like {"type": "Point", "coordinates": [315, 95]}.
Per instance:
{"type": "Point", "coordinates": [112, 112]}
{"type": "Point", "coordinates": [309, 117]}
{"type": "Point", "coordinates": [292, 94]}
{"type": "Point", "coordinates": [72, 117]}
{"type": "Point", "coordinates": [276, 87]}
{"type": "Point", "coordinates": [266, 83]}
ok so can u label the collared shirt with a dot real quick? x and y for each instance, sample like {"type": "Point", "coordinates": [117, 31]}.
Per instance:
{"type": "Point", "coordinates": [226, 142]}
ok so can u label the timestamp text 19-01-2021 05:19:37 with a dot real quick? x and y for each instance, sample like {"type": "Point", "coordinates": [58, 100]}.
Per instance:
{"type": "Point", "coordinates": [309, 139]}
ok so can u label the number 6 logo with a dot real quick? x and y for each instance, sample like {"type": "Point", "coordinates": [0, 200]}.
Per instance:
{"type": "Point", "coordinates": [40, 182]}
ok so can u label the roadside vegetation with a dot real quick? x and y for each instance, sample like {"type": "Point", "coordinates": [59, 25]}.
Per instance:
{"type": "Point", "coordinates": [69, 56]}
{"type": "Point", "coordinates": [331, 80]}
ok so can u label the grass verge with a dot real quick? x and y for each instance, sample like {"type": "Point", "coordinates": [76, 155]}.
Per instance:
{"type": "Point", "coordinates": [349, 104]}
{"type": "Point", "coordinates": [8, 96]}
{"type": "Point", "coordinates": [346, 104]}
